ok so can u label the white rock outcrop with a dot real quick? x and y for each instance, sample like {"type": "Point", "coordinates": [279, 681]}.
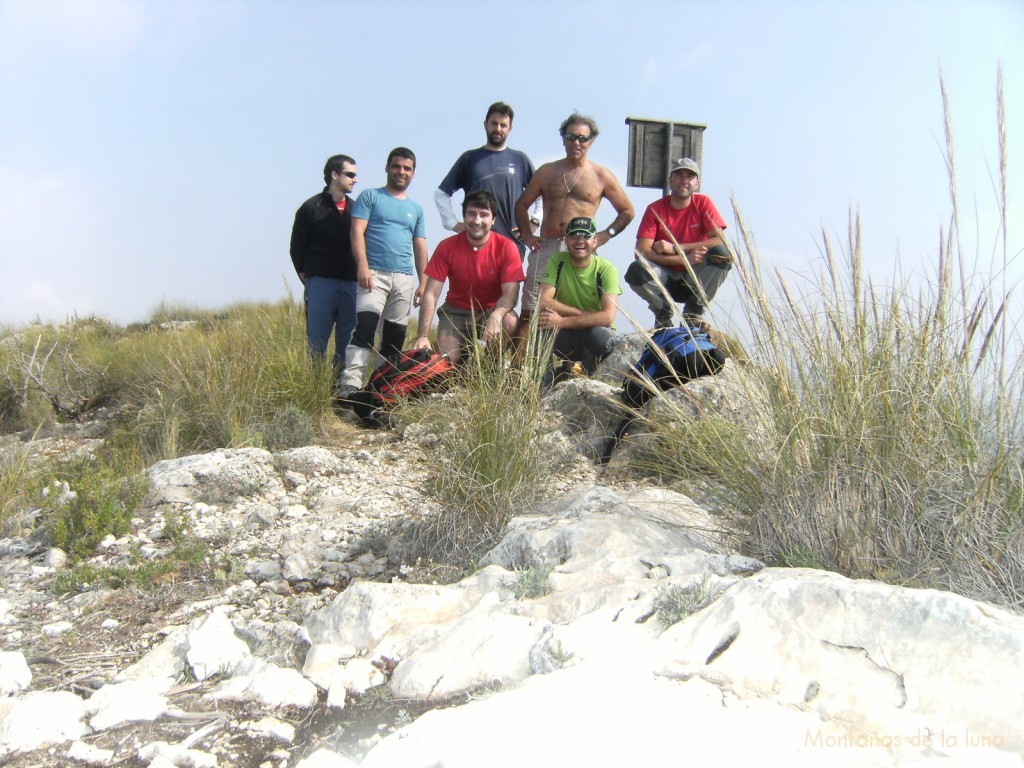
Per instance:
{"type": "Point", "coordinates": [794, 666]}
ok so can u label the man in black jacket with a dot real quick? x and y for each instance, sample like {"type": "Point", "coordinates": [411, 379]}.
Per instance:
{"type": "Point", "coordinates": [322, 254]}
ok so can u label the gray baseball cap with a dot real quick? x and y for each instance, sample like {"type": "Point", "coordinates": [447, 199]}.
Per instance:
{"type": "Point", "coordinates": [687, 164]}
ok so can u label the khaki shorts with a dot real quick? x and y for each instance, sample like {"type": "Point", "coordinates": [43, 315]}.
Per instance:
{"type": "Point", "coordinates": [390, 297]}
{"type": "Point", "coordinates": [535, 264]}
{"type": "Point", "coordinates": [459, 322]}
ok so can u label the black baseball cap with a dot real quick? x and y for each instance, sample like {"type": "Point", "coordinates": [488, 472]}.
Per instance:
{"type": "Point", "coordinates": [582, 225]}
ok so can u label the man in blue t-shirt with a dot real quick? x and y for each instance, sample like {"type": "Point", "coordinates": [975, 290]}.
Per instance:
{"type": "Point", "coordinates": [493, 167]}
{"type": "Point", "coordinates": [388, 241]}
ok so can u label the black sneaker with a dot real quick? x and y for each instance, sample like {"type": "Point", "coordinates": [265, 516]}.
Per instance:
{"type": "Point", "coordinates": [663, 319]}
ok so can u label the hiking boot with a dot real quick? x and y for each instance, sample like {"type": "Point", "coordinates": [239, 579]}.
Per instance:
{"type": "Point", "coordinates": [663, 319]}
{"type": "Point", "coordinates": [342, 395]}
{"type": "Point", "coordinates": [697, 323]}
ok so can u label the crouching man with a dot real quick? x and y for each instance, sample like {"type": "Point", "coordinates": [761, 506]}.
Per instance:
{"type": "Point", "coordinates": [578, 298]}
{"type": "Point", "coordinates": [691, 220]}
{"type": "Point", "coordinates": [483, 270]}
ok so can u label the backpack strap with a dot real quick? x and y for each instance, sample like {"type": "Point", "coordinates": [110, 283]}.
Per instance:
{"type": "Point", "coordinates": [600, 280]}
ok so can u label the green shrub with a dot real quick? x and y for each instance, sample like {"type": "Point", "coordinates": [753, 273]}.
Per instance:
{"type": "Point", "coordinates": [674, 602]}
{"type": "Point", "coordinates": [290, 428]}
{"type": "Point", "coordinates": [101, 502]}
{"type": "Point", "coordinates": [189, 558]}
{"type": "Point", "coordinates": [51, 372]}
{"type": "Point", "coordinates": [531, 582]}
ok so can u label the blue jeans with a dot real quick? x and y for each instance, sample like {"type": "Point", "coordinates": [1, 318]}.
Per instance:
{"type": "Point", "coordinates": [330, 306]}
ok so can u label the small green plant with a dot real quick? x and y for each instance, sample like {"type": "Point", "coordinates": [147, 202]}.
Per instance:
{"type": "Point", "coordinates": [560, 654]}
{"type": "Point", "coordinates": [403, 718]}
{"type": "Point", "coordinates": [188, 558]}
{"type": "Point", "coordinates": [291, 427]}
{"type": "Point", "coordinates": [801, 557]}
{"type": "Point", "coordinates": [98, 502]}
{"type": "Point", "coordinates": [532, 582]}
{"type": "Point", "coordinates": [137, 573]}
{"type": "Point", "coordinates": [674, 602]}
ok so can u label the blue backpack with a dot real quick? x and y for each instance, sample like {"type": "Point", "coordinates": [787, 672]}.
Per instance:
{"type": "Point", "coordinates": [690, 354]}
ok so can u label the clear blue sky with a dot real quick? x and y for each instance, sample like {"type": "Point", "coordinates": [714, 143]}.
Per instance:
{"type": "Point", "coordinates": [158, 150]}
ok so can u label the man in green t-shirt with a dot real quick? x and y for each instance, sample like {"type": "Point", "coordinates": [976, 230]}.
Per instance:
{"type": "Point", "coordinates": [579, 297]}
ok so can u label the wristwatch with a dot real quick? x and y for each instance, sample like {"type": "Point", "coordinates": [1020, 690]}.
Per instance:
{"type": "Point", "coordinates": [612, 232]}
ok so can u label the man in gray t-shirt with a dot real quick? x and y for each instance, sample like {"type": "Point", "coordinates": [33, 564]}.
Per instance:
{"type": "Point", "coordinates": [494, 167]}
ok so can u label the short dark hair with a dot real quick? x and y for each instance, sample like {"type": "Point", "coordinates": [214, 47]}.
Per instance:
{"type": "Point", "coordinates": [575, 118]}
{"type": "Point", "coordinates": [502, 109]}
{"type": "Point", "coordinates": [405, 152]}
{"type": "Point", "coordinates": [334, 164]}
{"type": "Point", "coordinates": [480, 198]}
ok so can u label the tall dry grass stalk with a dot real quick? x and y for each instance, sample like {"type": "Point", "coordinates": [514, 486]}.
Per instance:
{"type": "Point", "coordinates": [884, 429]}
{"type": "Point", "coordinates": [494, 457]}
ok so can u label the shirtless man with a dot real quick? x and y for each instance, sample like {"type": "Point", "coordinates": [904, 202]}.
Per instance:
{"type": "Point", "coordinates": [569, 188]}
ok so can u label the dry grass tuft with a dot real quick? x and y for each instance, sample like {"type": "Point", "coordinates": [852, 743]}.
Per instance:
{"type": "Point", "coordinates": [888, 437]}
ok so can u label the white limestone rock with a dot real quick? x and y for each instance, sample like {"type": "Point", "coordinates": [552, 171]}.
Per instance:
{"type": "Point", "coordinates": [483, 649]}
{"type": "Point", "coordinates": [57, 628]}
{"type": "Point", "coordinates": [166, 660]}
{"type": "Point", "coordinates": [324, 658]}
{"type": "Point", "coordinates": [359, 675]}
{"type": "Point", "coordinates": [220, 474]}
{"type": "Point", "coordinates": [272, 727]}
{"type": "Point", "coordinates": [616, 714]}
{"type": "Point", "coordinates": [296, 568]}
{"type": "Point", "coordinates": [283, 642]}
{"type": "Point", "coordinates": [393, 619]}
{"type": "Point", "coordinates": [127, 702]}
{"type": "Point", "coordinates": [89, 754]}
{"type": "Point", "coordinates": [161, 754]}
{"type": "Point", "coordinates": [213, 646]}
{"type": "Point", "coordinates": [268, 684]}
{"type": "Point", "coordinates": [324, 758]}
{"type": "Point", "coordinates": [308, 460]}
{"type": "Point", "coordinates": [337, 695]}
{"type": "Point", "coordinates": [55, 558]}
{"type": "Point", "coordinates": [626, 351]}
{"type": "Point", "coordinates": [39, 718]}
{"type": "Point", "coordinates": [15, 674]}
{"type": "Point", "coordinates": [896, 660]}
{"type": "Point", "coordinates": [602, 549]}
{"type": "Point", "coordinates": [590, 413]}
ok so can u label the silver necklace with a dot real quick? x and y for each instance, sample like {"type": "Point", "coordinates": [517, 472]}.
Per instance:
{"type": "Point", "coordinates": [565, 180]}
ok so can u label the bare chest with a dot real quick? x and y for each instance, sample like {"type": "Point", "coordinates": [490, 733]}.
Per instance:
{"type": "Point", "coordinates": [574, 187]}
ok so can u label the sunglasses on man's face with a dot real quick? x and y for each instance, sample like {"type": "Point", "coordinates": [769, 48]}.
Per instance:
{"type": "Point", "coordinates": [350, 174]}
{"type": "Point", "coordinates": [571, 137]}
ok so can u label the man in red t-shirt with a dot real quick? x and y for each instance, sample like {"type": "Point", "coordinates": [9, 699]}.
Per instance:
{"type": "Point", "coordinates": [483, 270]}
{"type": "Point", "coordinates": [696, 225]}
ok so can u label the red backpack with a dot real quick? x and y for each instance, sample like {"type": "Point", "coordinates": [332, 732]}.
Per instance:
{"type": "Point", "coordinates": [411, 373]}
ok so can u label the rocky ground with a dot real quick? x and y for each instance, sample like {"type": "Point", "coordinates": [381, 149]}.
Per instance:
{"type": "Point", "coordinates": [615, 624]}
{"type": "Point", "coordinates": [294, 529]}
